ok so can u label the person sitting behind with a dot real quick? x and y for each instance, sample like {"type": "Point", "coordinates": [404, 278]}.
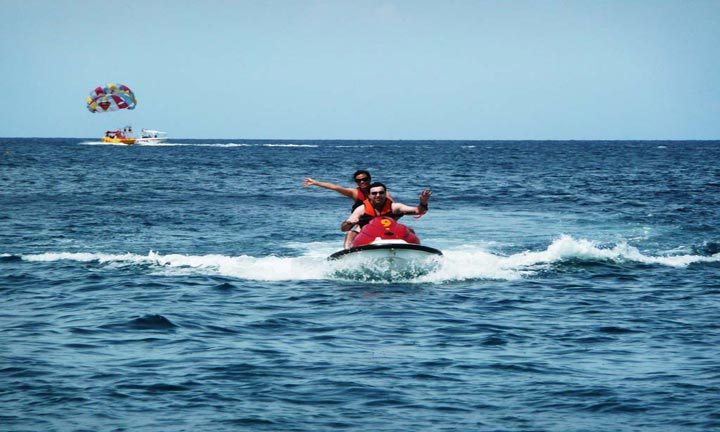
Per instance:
{"type": "Point", "coordinates": [379, 204]}
{"type": "Point", "coordinates": [359, 194]}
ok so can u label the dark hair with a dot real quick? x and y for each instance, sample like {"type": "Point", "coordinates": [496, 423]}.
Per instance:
{"type": "Point", "coordinates": [362, 172]}
{"type": "Point", "coordinates": [376, 184]}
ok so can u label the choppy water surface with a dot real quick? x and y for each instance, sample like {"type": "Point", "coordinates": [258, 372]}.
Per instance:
{"type": "Point", "coordinates": [185, 287]}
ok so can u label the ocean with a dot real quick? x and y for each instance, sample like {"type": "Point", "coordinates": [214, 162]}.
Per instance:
{"type": "Point", "coordinates": [185, 287]}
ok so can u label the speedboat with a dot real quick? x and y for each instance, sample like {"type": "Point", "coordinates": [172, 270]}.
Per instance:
{"type": "Point", "coordinates": [386, 249]}
{"type": "Point", "coordinates": [149, 136]}
{"type": "Point", "coordinates": [119, 137]}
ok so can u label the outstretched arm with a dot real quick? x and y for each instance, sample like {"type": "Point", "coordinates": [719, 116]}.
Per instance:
{"type": "Point", "coordinates": [421, 208]}
{"type": "Point", "coordinates": [348, 192]}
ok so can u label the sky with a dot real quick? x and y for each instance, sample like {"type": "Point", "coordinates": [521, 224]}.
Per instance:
{"type": "Point", "coordinates": [366, 69]}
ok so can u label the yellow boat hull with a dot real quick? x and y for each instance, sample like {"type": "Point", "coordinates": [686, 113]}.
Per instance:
{"type": "Point", "coordinates": [127, 141]}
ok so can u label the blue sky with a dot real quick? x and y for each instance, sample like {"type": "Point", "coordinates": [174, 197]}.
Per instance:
{"type": "Point", "coordinates": [366, 69]}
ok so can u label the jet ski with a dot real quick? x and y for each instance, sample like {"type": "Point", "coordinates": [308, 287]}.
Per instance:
{"type": "Point", "coordinates": [384, 245]}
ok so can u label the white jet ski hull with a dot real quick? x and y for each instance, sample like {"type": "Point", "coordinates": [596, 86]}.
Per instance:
{"type": "Point", "coordinates": [387, 260]}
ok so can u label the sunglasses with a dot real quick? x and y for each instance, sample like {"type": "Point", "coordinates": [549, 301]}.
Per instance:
{"type": "Point", "coordinates": [377, 193]}
{"type": "Point", "coordinates": [362, 179]}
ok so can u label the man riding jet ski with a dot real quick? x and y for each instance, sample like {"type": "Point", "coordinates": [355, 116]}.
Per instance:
{"type": "Point", "coordinates": [378, 204]}
{"type": "Point", "coordinates": [380, 231]}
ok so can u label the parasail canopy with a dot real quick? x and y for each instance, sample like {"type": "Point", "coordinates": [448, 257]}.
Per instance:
{"type": "Point", "coordinates": [112, 97]}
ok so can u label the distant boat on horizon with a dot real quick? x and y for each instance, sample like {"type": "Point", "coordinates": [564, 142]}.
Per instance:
{"type": "Point", "coordinates": [125, 136]}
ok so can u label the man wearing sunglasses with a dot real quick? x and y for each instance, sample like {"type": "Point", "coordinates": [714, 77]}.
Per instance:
{"type": "Point", "coordinates": [379, 204]}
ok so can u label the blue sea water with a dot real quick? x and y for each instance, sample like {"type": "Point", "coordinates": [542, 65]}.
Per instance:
{"type": "Point", "coordinates": [185, 287]}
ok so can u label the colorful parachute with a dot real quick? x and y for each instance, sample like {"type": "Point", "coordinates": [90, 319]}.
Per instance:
{"type": "Point", "coordinates": [112, 97]}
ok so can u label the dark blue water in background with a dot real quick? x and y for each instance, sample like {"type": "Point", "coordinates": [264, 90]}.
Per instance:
{"type": "Point", "coordinates": [185, 287]}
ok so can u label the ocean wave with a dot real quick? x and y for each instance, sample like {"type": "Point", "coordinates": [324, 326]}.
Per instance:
{"type": "Point", "coordinates": [458, 263]}
{"type": "Point", "coordinates": [567, 248]}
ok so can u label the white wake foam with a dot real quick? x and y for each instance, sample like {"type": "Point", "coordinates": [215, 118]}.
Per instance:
{"type": "Point", "coordinates": [458, 263]}
{"type": "Point", "coordinates": [270, 268]}
{"type": "Point", "coordinates": [188, 144]}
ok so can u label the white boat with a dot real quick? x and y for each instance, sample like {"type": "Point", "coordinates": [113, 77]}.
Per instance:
{"type": "Point", "coordinates": [149, 136]}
